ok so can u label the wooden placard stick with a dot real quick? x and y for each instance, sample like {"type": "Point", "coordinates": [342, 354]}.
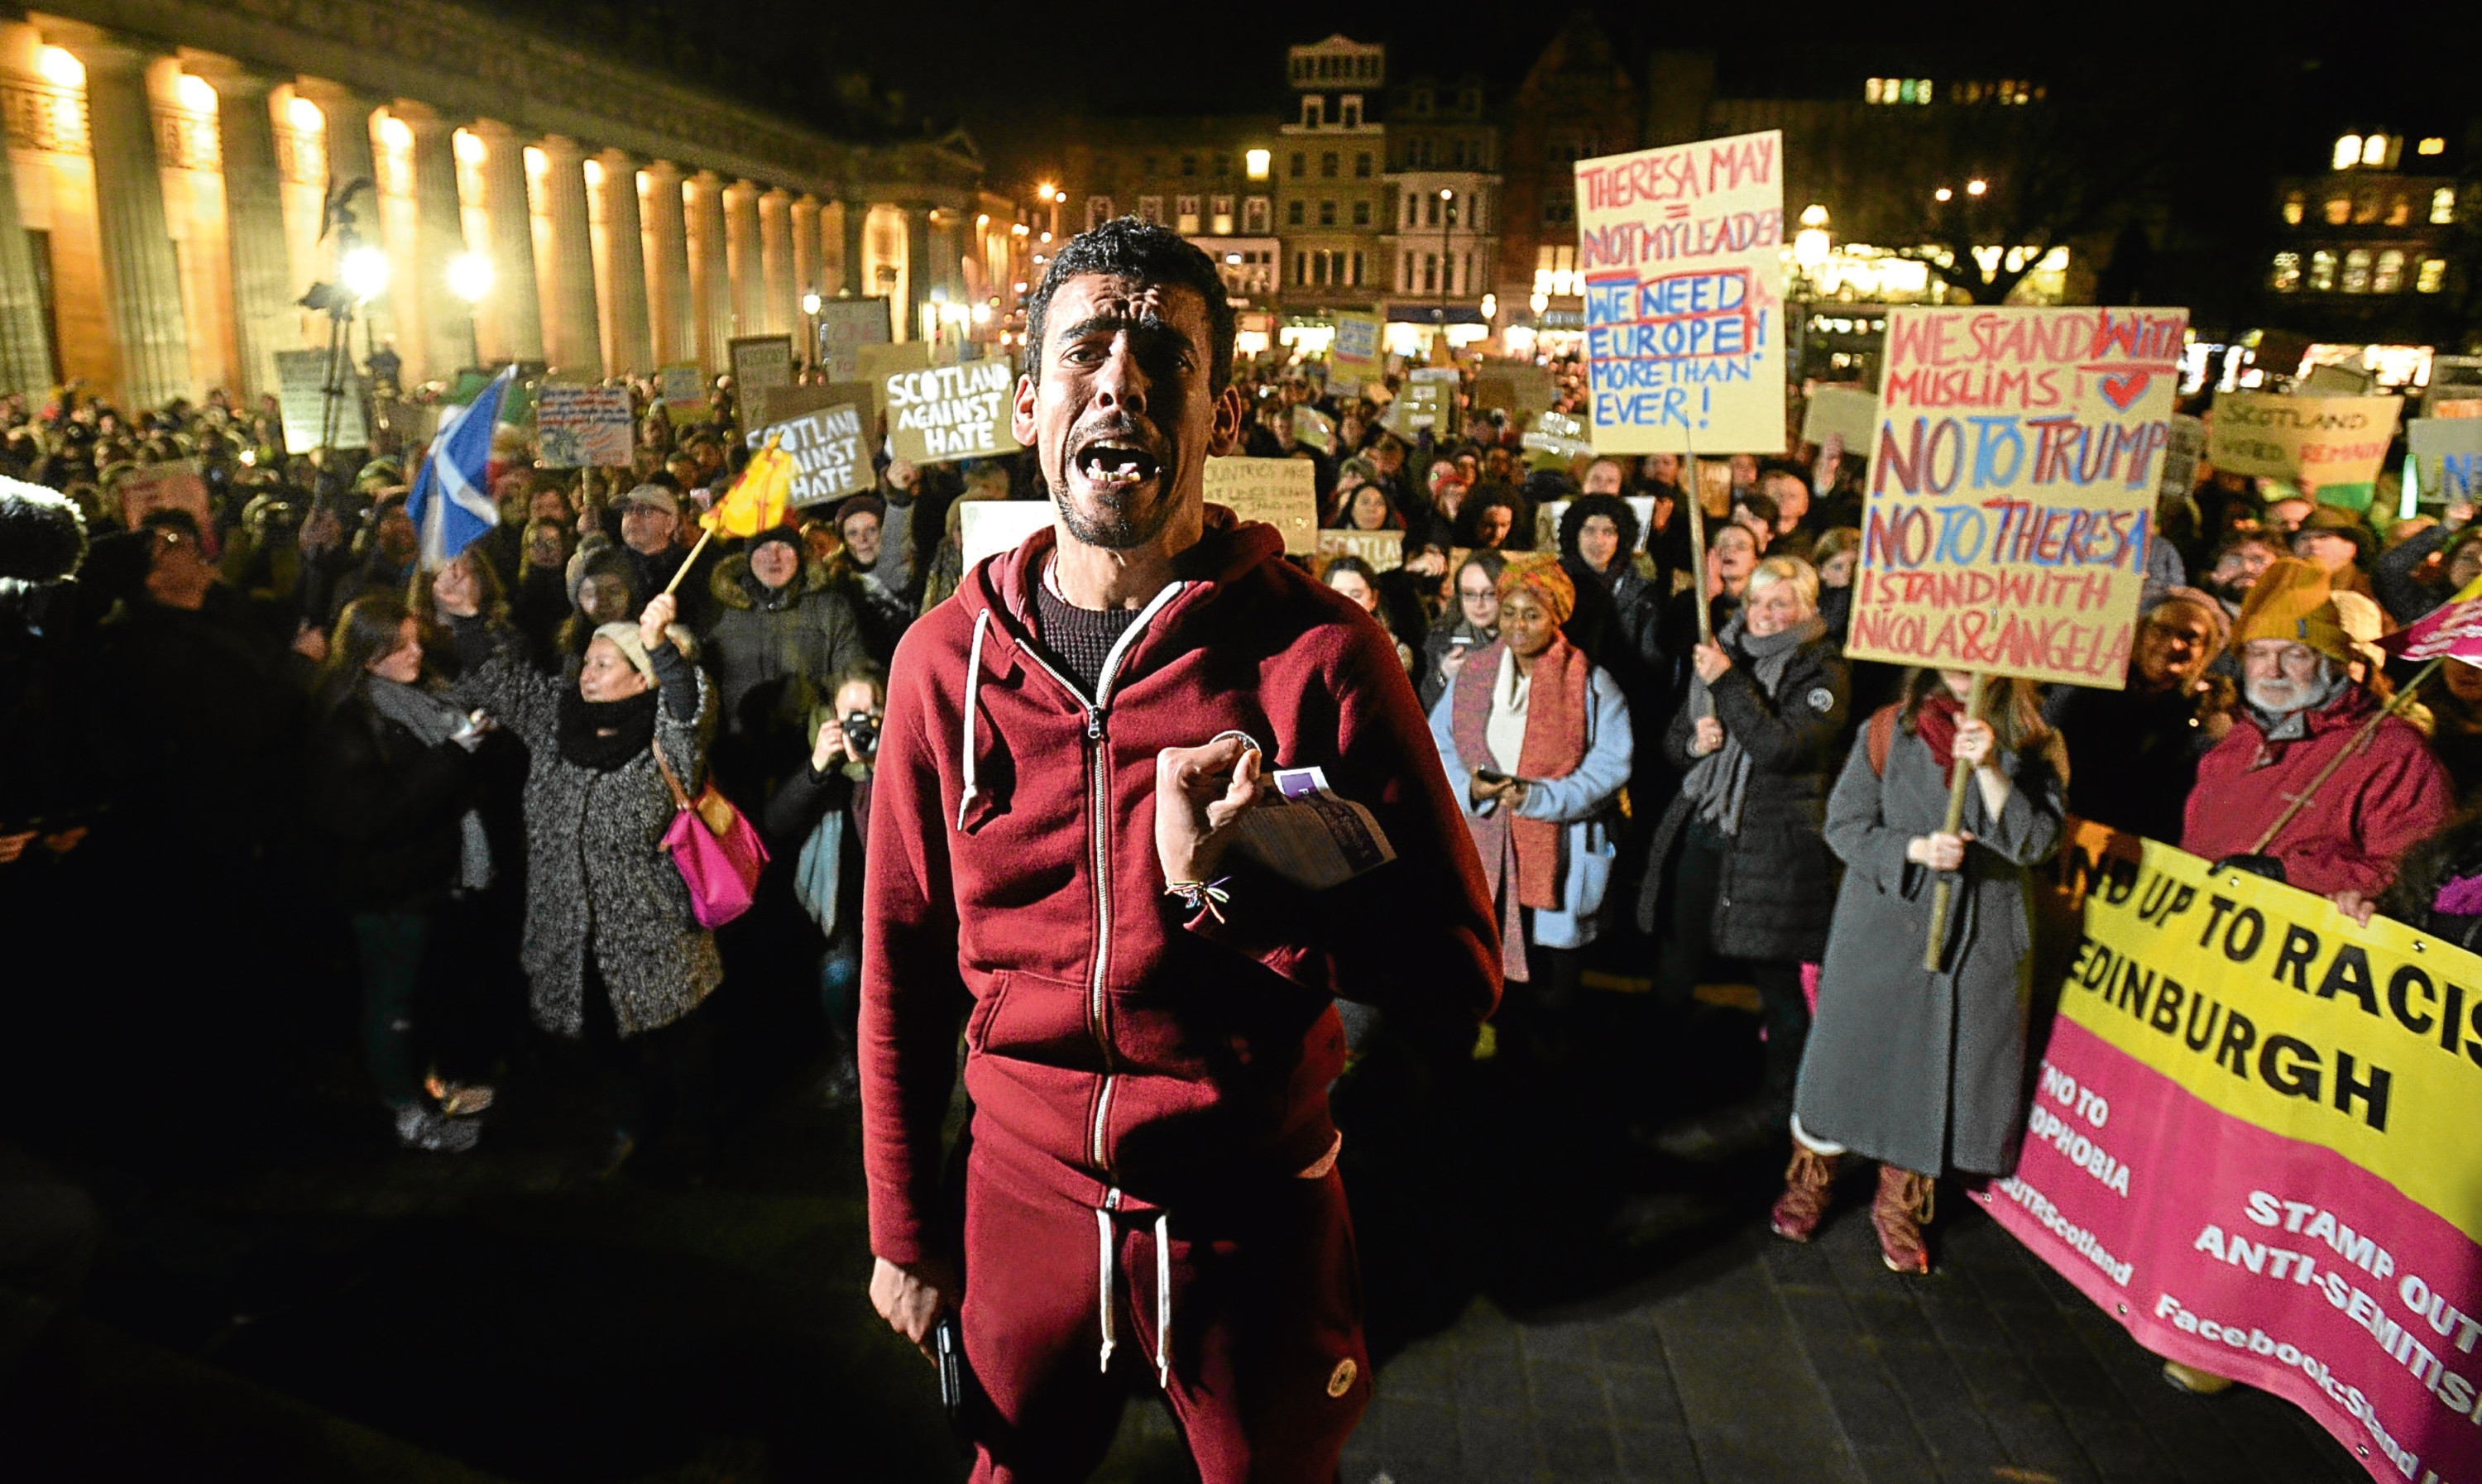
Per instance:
{"type": "Point", "coordinates": [1962, 778]}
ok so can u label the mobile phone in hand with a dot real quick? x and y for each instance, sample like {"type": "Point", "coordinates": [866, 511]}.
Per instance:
{"type": "Point", "coordinates": [948, 1344]}
{"type": "Point", "coordinates": [1491, 775]}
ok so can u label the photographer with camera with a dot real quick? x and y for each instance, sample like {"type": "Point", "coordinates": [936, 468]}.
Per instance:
{"type": "Point", "coordinates": [814, 828]}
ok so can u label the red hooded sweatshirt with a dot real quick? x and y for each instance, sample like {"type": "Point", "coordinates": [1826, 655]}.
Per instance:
{"type": "Point", "coordinates": [1120, 1047]}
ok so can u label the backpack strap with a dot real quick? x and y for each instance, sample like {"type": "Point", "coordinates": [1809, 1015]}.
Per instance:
{"type": "Point", "coordinates": [1881, 736]}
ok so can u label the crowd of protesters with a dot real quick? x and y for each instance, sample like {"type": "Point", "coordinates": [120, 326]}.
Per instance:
{"type": "Point", "coordinates": [232, 721]}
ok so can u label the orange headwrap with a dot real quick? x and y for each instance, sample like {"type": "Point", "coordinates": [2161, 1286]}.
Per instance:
{"type": "Point", "coordinates": [1540, 572]}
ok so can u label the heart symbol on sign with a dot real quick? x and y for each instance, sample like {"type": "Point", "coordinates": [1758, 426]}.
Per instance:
{"type": "Point", "coordinates": [2125, 388]}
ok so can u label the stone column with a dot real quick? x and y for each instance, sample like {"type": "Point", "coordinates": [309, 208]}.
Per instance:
{"type": "Point", "coordinates": [778, 313]}
{"type": "Point", "coordinates": [742, 260]}
{"type": "Point", "coordinates": [450, 336]}
{"type": "Point", "coordinates": [710, 271]}
{"type": "Point", "coordinates": [573, 340]}
{"type": "Point", "coordinates": [347, 132]}
{"type": "Point", "coordinates": [671, 309]}
{"type": "Point", "coordinates": [919, 274]}
{"type": "Point", "coordinates": [630, 344]}
{"type": "Point", "coordinates": [803, 216]}
{"type": "Point", "coordinates": [515, 316]}
{"type": "Point", "coordinates": [141, 280]}
{"type": "Point", "coordinates": [836, 260]}
{"type": "Point", "coordinates": [25, 339]}
{"type": "Point", "coordinates": [265, 319]}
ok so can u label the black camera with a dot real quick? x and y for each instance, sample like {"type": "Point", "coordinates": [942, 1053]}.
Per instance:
{"type": "Point", "coordinates": [861, 733]}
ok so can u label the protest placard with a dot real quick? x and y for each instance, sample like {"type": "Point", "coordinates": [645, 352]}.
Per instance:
{"type": "Point", "coordinates": [1681, 250]}
{"type": "Point", "coordinates": [2013, 486]}
{"type": "Point", "coordinates": [1851, 412]}
{"type": "Point", "coordinates": [2180, 455]}
{"type": "Point", "coordinates": [2251, 1144]}
{"type": "Point", "coordinates": [302, 399]}
{"type": "Point", "coordinates": [940, 414]}
{"type": "Point", "coordinates": [760, 361]}
{"type": "Point", "coordinates": [772, 404]}
{"type": "Point", "coordinates": [1354, 355]}
{"type": "Point", "coordinates": [580, 427]}
{"type": "Point", "coordinates": [2455, 388]}
{"type": "Point", "coordinates": [2447, 456]}
{"type": "Point", "coordinates": [845, 325]}
{"type": "Point", "coordinates": [876, 363]}
{"type": "Point", "coordinates": [1310, 427]}
{"type": "Point", "coordinates": [829, 459]}
{"type": "Point", "coordinates": [1558, 434]}
{"type": "Point", "coordinates": [1520, 386]}
{"type": "Point", "coordinates": [2329, 448]}
{"type": "Point", "coordinates": [987, 527]}
{"type": "Point", "coordinates": [1384, 550]}
{"type": "Point", "coordinates": [1282, 493]}
{"type": "Point", "coordinates": [176, 484]}
{"type": "Point", "coordinates": [682, 390]}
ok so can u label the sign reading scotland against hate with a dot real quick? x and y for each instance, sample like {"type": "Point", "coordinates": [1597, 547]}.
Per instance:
{"type": "Point", "coordinates": [2012, 488]}
{"type": "Point", "coordinates": [2251, 1143]}
{"type": "Point", "coordinates": [828, 458]}
{"type": "Point", "coordinates": [1681, 250]}
{"type": "Point", "coordinates": [946, 412]}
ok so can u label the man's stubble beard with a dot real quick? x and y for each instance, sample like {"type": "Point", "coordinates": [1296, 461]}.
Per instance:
{"type": "Point", "coordinates": [1128, 529]}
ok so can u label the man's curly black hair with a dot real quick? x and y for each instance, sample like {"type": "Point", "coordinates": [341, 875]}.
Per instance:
{"type": "Point", "coordinates": [1145, 253]}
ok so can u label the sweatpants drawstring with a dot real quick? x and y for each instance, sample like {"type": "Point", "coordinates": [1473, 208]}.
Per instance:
{"type": "Point", "coordinates": [1163, 1300]}
{"type": "Point", "coordinates": [1104, 1281]}
{"type": "Point", "coordinates": [973, 684]}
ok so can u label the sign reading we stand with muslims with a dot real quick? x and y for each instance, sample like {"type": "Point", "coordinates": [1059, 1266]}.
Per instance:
{"type": "Point", "coordinates": [2012, 488]}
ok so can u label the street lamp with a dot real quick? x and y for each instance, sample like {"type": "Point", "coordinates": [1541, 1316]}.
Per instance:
{"type": "Point", "coordinates": [1943, 195]}
{"type": "Point", "coordinates": [1976, 187]}
{"type": "Point", "coordinates": [365, 271]}
{"type": "Point", "coordinates": [1447, 244]}
{"type": "Point", "coordinates": [469, 278]}
{"type": "Point", "coordinates": [810, 312]}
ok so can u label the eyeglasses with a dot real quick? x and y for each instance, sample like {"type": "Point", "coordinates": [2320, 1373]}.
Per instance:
{"type": "Point", "coordinates": [1476, 592]}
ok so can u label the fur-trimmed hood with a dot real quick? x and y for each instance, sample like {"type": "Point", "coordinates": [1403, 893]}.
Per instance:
{"type": "Point", "coordinates": [43, 537]}
{"type": "Point", "coordinates": [734, 586]}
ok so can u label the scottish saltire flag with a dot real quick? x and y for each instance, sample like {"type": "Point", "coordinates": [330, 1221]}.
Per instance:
{"type": "Point", "coordinates": [451, 504]}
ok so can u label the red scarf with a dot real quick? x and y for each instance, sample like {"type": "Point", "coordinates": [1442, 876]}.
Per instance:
{"type": "Point", "coordinates": [1555, 744]}
{"type": "Point", "coordinates": [1935, 721]}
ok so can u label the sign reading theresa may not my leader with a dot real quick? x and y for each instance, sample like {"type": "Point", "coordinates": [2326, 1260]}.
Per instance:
{"type": "Point", "coordinates": [946, 413]}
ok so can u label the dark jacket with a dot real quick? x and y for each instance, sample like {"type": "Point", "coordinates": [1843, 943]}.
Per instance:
{"type": "Point", "coordinates": [776, 651]}
{"type": "Point", "coordinates": [1774, 899]}
{"type": "Point", "coordinates": [2133, 754]}
{"type": "Point", "coordinates": [388, 807]}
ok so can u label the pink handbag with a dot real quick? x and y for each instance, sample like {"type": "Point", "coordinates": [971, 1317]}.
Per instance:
{"type": "Point", "coordinates": [718, 854]}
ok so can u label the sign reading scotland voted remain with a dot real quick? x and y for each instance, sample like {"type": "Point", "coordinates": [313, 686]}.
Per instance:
{"type": "Point", "coordinates": [2012, 488]}
{"type": "Point", "coordinates": [1681, 250]}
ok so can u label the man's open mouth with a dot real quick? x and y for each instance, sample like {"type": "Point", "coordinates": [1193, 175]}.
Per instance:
{"type": "Point", "coordinates": [1112, 463]}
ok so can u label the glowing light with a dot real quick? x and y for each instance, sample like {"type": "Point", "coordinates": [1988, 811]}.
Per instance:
{"type": "Point", "coordinates": [365, 271]}
{"type": "Point", "coordinates": [197, 95]}
{"type": "Point", "coordinates": [982, 314]}
{"type": "Point", "coordinates": [1045, 192]}
{"type": "Point", "coordinates": [396, 133]}
{"type": "Point", "coordinates": [1258, 160]}
{"type": "Point", "coordinates": [1448, 196]}
{"type": "Point", "coordinates": [1232, 258]}
{"type": "Point", "coordinates": [1976, 187]}
{"type": "Point", "coordinates": [810, 302]}
{"type": "Point", "coordinates": [469, 147]}
{"type": "Point", "coordinates": [470, 275]}
{"type": "Point", "coordinates": [536, 164]}
{"type": "Point", "coordinates": [594, 173]}
{"type": "Point", "coordinates": [305, 116]}
{"type": "Point", "coordinates": [984, 220]}
{"type": "Point", "coordinates": [2431, 145]}
{"type": "Point", "coordinates": [1539, 302]}
{"type": "Point", "coordinates": [1942, 194]}
{"type": "Point", "coordinates": [2348, 151]}
{"type": "Point", "coordinates": [1813, 216]}
{"type": "Point", "coordinates": [1491, 306]}
{"type": "Point", "coordinates": [1810, 246]}
{"type": "Point", "coordinates": [60, 69]}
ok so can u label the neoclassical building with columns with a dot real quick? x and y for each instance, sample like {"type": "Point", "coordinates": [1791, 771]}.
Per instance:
{"type": "Point", "coordinates": [169, 162]}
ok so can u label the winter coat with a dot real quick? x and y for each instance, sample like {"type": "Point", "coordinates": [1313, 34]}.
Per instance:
{"type": "Point", "coordinates": [599, 881]}
{"type": "Point", "coordinates": [1429, 683]}
{"type": "Point", "coordinates": [777, 652]}
{"type": "Point", "coordinates": [1918, 1068]}
{"type": "Point", "coordinates": [388, 807]}
{"type": "Point", "coordinates": [1120, 1045]}
{"type": "Point", "coordinates": [1771, 899]}
{"type": "Point", "coordinates": [1586, 800]}
{"type": "Point", "coordinates": [2363, 819]}
{"type": "Point", "coordinates": [2133, 754]}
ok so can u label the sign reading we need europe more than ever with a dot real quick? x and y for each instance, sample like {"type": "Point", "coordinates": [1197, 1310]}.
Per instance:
{"type": "Point", "coordinates": [1681, 250]}
{"type": "Point", "coordinates": [2012, 488]}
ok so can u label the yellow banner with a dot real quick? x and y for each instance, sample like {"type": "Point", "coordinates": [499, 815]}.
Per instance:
{"type": "Point", "coordinates": [2272, 1006]}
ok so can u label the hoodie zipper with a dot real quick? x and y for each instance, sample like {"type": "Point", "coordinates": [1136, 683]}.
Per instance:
{"type": "Point", "coordinates": [1098, 842]}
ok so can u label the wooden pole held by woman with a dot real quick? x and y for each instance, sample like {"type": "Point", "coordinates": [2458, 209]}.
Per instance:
{"type": "Point", "coordinates": [1962, 778]}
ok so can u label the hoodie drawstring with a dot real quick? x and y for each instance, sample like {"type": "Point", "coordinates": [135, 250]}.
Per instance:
{"type": "Point", "coordinates": [1103, 1285]}
{"type": "Point", "coordinates": [973, 687]}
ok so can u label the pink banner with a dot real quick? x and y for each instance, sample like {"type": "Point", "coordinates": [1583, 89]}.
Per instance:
{"type": "Point", "coordinates": [2275, 1262]}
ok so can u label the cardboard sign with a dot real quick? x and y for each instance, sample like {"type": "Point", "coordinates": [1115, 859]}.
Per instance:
{"type": "Point", "coordinates": [2454, 381]}
{"type": "Point", "coordinates": [2329, 448]}
{"type": "Point", "coordinates": [845, 325]}
{"type": "Point", "coordinates": [1557, 434]}
{"type": "Point", "coordinates": [2447, 457]}
{"type": "Point", "coordinates": [988, 527]}
{"type": "Point", "coordinates": [682, 390]}
{"type": "Point", "coordinates": [1311, 428]}
{"type": "Point", "coordinates": [175, 485]}
{"type": "Point", "coordinates": [2244, 1153]}
{"type": "Point", "coordinates": [2012, 490]}
{"type": "Point", "coordinates": [1519, 386]}
{"type": "Point", "coordinates": [576, 427]}
{"type": "Point", "coordinates": [301, 397]}
{"type": "Point", "coordinates": [760, 361]}
{"type": "Point", "coordinates": [1850, 412]}
{"type": "Point", "coordinates": [876, 363]}
{"type": "Point", "coordinates": [772, 404]}
{"type": "Point", "coordinates": [941, 414]}
{"type": "Point", "coordinates": [829, 459]}
{"type": "Point", "coordinates": [1681, 249]}
{"type": "Point", "coordinates": [2181, 456]}
{"type": "Point", "coordinates": [1282, 493]}
{"type": "Point", "coordinates": [1354, 355]}
{"type": "Point", "coordinates": [1384, 550]}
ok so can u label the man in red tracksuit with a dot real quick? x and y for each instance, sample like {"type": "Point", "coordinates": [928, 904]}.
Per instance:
{"type": "Point", "coordinates": [1069, 745]}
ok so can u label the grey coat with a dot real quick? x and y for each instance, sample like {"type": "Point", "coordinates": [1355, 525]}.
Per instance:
{"type": "Point", "coordinates": [1921, 1070]}
{"type": "Point", "coordinates": [599, 879]}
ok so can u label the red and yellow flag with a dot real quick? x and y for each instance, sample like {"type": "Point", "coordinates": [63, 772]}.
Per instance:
{"type": "Point", "coordinates": [760, 499]}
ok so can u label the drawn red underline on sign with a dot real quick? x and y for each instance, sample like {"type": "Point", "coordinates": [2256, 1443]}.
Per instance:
{"type": "Point", "coordinates": [2132, 365]}
{"type": "Point", "coordinates": [1675, 213]}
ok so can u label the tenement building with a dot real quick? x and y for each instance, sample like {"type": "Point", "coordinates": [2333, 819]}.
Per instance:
{"type": "Point", "coordinates": [181, 171]}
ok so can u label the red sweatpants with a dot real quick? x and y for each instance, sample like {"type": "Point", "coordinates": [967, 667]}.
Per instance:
{"type": "Point", "coordinates": [1268, 1374]}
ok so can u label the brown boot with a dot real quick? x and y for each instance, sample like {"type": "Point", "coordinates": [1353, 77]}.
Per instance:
{"type": "Point", "coordinates": [1809, 1181]}
{"type": "Point", "coordinates": [1901, 1211]}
